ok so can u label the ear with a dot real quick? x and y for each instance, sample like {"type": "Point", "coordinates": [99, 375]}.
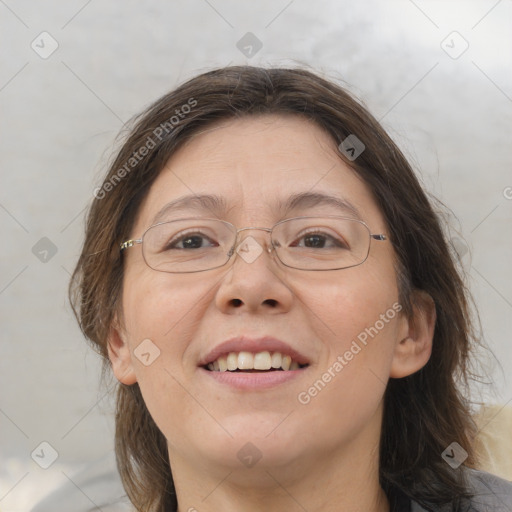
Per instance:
{"type": "Point", "coordinates": [119, 354]}
{"type": "Point", "coordinates": [416, 334]}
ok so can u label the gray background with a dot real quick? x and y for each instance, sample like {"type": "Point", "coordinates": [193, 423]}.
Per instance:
{"type": "Point", "coordinates": [60, 114]}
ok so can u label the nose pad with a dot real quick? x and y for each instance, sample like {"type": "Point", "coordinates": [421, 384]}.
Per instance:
{"type": "Point", "coordinates": [249, 249]}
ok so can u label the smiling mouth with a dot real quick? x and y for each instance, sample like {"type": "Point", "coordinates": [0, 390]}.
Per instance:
{"type": "Point", "coordinates": [249, 362]}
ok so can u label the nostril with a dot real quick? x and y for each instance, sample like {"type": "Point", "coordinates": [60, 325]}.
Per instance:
{"type": "Point", "coordinates": [237, 302]}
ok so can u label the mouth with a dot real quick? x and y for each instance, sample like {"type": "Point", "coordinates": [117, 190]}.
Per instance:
{"type": "Point", "coordinates": [253, 364]}
{"type": "Point", "coordinates": [259, 362]}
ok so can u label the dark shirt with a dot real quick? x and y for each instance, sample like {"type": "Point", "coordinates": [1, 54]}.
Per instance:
{"type": "Point", "coordinates": [491, 494]}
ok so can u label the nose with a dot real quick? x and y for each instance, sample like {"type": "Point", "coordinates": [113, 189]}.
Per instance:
{"type": "Point", "coordinates": [248, 248]}
{"type": "Point", "coordinates": [254, 282]}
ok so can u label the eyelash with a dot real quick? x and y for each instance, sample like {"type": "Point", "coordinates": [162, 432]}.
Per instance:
{"type": "Point", "coordinates": [190, 234]}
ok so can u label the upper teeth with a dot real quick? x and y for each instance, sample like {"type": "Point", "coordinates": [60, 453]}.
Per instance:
{"type": "Point", "coordinates": [249, 361]}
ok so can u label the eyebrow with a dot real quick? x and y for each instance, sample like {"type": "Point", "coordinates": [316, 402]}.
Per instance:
{"type": "Point", "coordinates": [218, 206]}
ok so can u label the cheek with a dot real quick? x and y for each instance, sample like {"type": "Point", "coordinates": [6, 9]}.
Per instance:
{"type": "Point", "coordinates": [353, 301]}
{"type": "Point", "coordinates": [359, 325]}
{"type": "Point", "coordinates": [154, 305]}
{"type": "Point", "coordinates": [160, 317]}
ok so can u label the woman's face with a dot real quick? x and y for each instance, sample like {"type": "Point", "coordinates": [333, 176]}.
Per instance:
{"type": "Point", "coordinates": [264, 419]}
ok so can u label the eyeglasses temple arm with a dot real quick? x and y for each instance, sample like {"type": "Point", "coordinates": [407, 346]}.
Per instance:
{"type": "Point", "coordinates": [129, 243]}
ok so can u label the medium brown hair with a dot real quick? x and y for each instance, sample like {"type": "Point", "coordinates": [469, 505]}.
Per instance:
{"type": "Point", "coordinates": [424, 412]}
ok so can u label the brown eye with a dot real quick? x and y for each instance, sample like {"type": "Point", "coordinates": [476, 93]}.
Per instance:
{"type": "Point", "coordinates": [190, 241]}
{"type": "Point", "coordinates": [316, 239]}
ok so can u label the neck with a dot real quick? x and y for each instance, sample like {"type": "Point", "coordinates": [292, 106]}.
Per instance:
{"type": "Point", "coordinates": [346, 478]}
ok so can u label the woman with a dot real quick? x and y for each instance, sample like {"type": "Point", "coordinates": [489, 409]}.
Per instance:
{"type": "Point", "coordinates": [273, 290]}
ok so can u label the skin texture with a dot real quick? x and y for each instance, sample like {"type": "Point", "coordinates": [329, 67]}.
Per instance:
{"type": "Point", "coordinates": [317, 456]}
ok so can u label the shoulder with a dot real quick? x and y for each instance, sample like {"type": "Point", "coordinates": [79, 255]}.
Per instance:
{"type": "Point", "coordinates": [490, 493]}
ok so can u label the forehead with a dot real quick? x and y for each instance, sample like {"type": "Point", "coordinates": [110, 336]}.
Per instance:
{"type": "Point", "coordinates": [259, 168]}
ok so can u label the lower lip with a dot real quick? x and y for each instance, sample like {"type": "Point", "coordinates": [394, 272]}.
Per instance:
{"type": "Point", "coordinates": [253, 381]}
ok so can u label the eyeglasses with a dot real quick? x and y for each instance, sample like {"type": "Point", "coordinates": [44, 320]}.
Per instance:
{"type": "Point", "coordinates": [304, 243]}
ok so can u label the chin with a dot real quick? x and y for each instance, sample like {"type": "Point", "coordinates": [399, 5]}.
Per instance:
{"type": "Point", "coordinates": [257, 441]}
